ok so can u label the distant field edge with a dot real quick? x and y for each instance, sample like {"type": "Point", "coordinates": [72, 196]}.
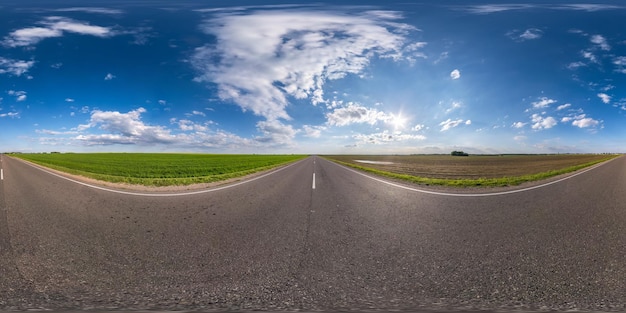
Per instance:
{"type": "Point", "coordinates": [159, 169]}
{"type": "Point", "coordinates": [505, 181]}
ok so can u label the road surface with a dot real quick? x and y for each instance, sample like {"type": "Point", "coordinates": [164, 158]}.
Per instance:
{"type": "Point", "coordinates": [312, 236]}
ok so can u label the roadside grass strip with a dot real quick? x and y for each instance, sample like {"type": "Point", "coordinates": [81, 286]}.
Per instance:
{"type": "Point", "coordinates": [158, 169]}
{"type": "Point", "coordinates": [475, 182]}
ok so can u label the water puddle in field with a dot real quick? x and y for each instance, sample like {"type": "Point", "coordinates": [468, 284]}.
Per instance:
{"type": "Point", "coordinates": [374, 162]}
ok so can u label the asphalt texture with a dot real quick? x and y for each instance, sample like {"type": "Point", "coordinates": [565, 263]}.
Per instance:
{"type": "Point", "coordinates": [277, 243]}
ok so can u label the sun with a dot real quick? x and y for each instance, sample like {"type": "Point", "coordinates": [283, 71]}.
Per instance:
{"type": "Point", "coordinates": [397, 121]}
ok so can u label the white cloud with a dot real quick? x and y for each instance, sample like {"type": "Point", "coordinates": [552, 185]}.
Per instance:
{"type": "Point", "coordinates": [494, 8]}
{"type": "Point", "coordinates": [589, 56]}
{"type": "Point", "coordinates": [531, 33]}
{"type": "Point", "coordinates": [605, 98]}
{"type": "Point", "coordinates": [275, 133]}
{"type": "Point", "coordinates": [601, 42]}
{"type": "Point", "coordinates": [386, 137]}
{"type": "Point", "coordinates": [53, 27]}
{"type": "Point", "coordinates": [543, 103]}
{"type": "Point", "coordinates": [109, 76]}
{"type": "Point", "coordinates": [69, 100]}
{"type": "Point", "coordinates": [187, 125]}
{"type": "Point", "coordinates": [541, 122]}
{"type": "Point", "coordinates": [162, 102]}
{"type": "Point", "coordinates": [563, 106]}
{"type": "Point", "coordinates": [14, 67]}
{"type": "Point", "coordinates": [197, 113]}
{"type": "Point", "coordinates": [520, 138]}
{"type": "Point", "coordinates": [455, 74]}
{"type": "Point", "coordinates": [468, 122]}
{"type": "Point", "coordinates": [518, 125]}
{"type": "Point", "coordinates": [91, 10]}
{"type": "Point", "coordinates": [449, 123]}
{"type": "Point", "coordinates": [418, 127]}
{"type": "Point", "coordinates": [123, 128]}
{"type": "Point", "coordinates": [356, 114]}
{"type": "Point", "coordinates": [10, 114]}
{"type": "Point", "coordinates": [585, 122]}
{"type": "Point", "coordinates": [18, 94]}
{"type": "Point", "coordinates": [267, 56]}
{"type": "Point", "coordinates": [313, 131]}
{"type": "Point", "coordinates": [575, 65]}
{"type": "Point", "coordinates": [455, 105]}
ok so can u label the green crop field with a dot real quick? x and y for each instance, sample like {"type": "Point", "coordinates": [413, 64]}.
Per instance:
{"type": "Point", "coordinates": [476, 170]}
{"type": "Point", "coordinates": [158, 169]}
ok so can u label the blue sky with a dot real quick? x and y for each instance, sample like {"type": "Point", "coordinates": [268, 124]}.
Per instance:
{"type": "Point", "coordinates": [281, 77]}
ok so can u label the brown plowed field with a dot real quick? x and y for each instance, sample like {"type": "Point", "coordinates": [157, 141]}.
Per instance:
{"type": "Point", "coordinates": [473, 166]}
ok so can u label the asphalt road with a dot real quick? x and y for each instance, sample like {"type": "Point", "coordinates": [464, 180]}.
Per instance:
{"type": "Point", "coordinates": [342, 242]}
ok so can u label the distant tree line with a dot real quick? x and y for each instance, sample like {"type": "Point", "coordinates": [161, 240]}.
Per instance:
{"type": "Point", "coordinates": [459, 153]}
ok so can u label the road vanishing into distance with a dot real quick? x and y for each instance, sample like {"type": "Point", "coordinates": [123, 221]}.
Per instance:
{"type": "Point", "coordinates": [313, 235]}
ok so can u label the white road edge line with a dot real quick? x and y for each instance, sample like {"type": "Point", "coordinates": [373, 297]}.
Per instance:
{"type": "Point", "coordinates": [1, 174]}
{"type": "Point", "coordinates": [313, 180]}
{"type": "Point", "coordinates": [473, 194]}
{"type": "Point", "coordinates": [164, 194]}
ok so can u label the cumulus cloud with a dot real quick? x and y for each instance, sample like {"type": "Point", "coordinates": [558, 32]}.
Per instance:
{"type": "Point", "coordinates": [275, 133]}
{"type": "Point", "coordinates": [52, 27]}
{"type": "Point", "coordinates": [543, 103]}
{"type": "Point", "coordinates": [585, 122]}
{"type": "Point", "coordinates": [540, 122]}
{"type": "Point", "coordinates": [313, 131]}
{"type": "Point", "coordinates": [601, 42]}
{"type": "Point", "coordinates": [605, 98]}
{"type": "Point", "coordinates": [262, 58]}
{"type": "Point", "coordinates": [123, 128]}
{"type": "Point", "coordinates": [518, 125]}
{"type": "Point", "coordinates": [19, 95]}
{"type": "Point", "coordinates": [449, 124]}
{"type": "Point", "coordinates": [14, 67]}
{"type": "Point", "coordinates": [356, 114]}
{"type": "Point", "coordinates": [386, 137]}
{"type": "Point", "coordinates": [455, 74]}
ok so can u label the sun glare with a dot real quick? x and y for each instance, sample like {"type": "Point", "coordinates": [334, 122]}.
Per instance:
{"type": "Point", "coordinates": [397, 121]}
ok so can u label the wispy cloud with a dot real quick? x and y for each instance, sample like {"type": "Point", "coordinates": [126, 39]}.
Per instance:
{"type": "Point", "coordinates": [265, 57]}
{"type": "Point", "coordinates": [91, 10]}
{"type": "Point", "coordinates": [14, 67]}
{"type": "Point", "coordinates": [10, 114]}
{"type": "Point", "coordinates": [528, 34]}
{"type": "Point", "coordinates": [109, 76]}
{"type": "Point", "coordinates": [604, 97]}
{"type": "Point", "coordinates": [495, 8]}
{"type": "Point", "coordinates": [449, 124]}
{"type": "Point", "coordinates": [53, 27]}
{"type": "Point", "coordinates": [563, 106]}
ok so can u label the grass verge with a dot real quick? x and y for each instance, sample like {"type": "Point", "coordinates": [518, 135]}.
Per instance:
{"type": "Point", "coordinates": [158, 169]}
{"type": "Point", "coordinates": [476, 182]}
